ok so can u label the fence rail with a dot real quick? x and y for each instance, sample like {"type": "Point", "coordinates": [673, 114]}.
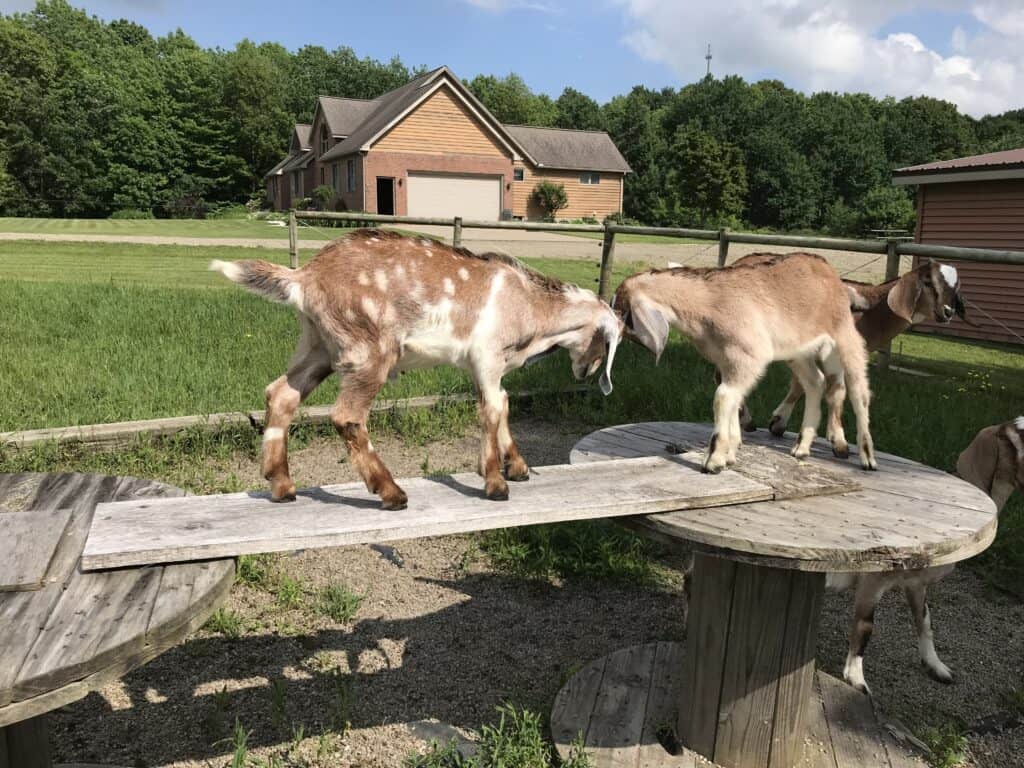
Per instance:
{"type": "Point", "coordinates": [893, 248]}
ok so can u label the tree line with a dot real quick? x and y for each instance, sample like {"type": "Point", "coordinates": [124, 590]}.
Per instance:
{"type": "Point", "coordinates": [99, 117]}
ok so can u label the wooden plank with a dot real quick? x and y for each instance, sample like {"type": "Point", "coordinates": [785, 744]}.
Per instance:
{"type": "Point", "coordinates": [620, 708]}
{"type": "Point", "coordinates": [662, 710]}
{"type": "Point", "coordinates": [796, 684]}
{"type": "Point", "coordinates": [30, 540]}
{"type": "Point", "coordinates": [818, 752]}
{"type": "Point", "coordinates": [750, 677]}
{"type": "Point", "coordinates": [704, 658]}
{"type": "Point", "coordinates": [570, 715]}
{"type": "Point", "coordinates": [852, 726]}
{"type": "Point", "coordinates": [197, 528]}
{"type": "Point", "coordinates": [99, 618]}
{"type": "Point", "coordinates": [28, 743]}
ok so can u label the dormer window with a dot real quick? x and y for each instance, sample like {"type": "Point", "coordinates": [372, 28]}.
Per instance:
{"type": "Point", "coordinates": [323, 139]}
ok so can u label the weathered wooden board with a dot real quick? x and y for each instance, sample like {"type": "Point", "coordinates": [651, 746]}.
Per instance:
{"type": "Point", "coordinates": [28, 541]}
{"type": "Point", "coordinates": [201, 527]}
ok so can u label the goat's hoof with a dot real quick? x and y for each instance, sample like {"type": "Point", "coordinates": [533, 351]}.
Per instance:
{"type": "Point", "coordinates": [713, 466]}
{"type": "Point", "coordinates": [749, 427]}
{"type": "Point", "coordinates": [283, 492]}
{"type": "Point", "coordinates": [841, 450]}
{"type": "Point", "coordinates": [496, 491]}
{"type": "Point", "coordinates": [777, 426]}
{"type": "Point", "coordinates": [868, 463]}
{"type": "Point", "coordinates": [800, 453]}
{"type": "Point", "coordinates": [940, 673]}
{"type": "Point", "coordinates": [394, 501]}
{"type": "Point", "coordinates": [518, 471]}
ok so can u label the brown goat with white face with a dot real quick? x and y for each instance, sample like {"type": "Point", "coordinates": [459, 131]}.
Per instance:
{"type": "Point", "coordinates": [375, 303]}
{"type": "Point", "coordinates": [993, 462]}
{"type": "Point", "coordinates": [881, 312]}
{"type": "Point", "coordinates": [741, 318]}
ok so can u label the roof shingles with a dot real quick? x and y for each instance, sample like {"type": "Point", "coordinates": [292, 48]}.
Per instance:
{"type": "Point", "coordinates": [989, 161]}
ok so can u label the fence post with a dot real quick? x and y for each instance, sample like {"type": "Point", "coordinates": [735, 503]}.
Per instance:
{"type": "Point", "coordinates": [723, 246]}
{"type": "Point", "coordinates": [892, 271]}
{"type": "Point", "coordinates": [457, 233]}
{"type": "Point", "coordinates": [293, 240]}
{"type": "Point", "coordinates": [607, 259]}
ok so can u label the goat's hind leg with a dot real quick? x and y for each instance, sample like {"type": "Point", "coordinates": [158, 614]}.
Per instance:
{"type": "Point", "coordinates": [309, 366]}
{"type": "Point", "coordinates": [854, 358]}
{"type": "Point", "coordinates": [813, 383]}
{"type": "Point", "coordinates": [916, 592]}
{"type": "Point", "coordinates": [835, 396]}
{"type": "Point", "coordinates": [782, 412]}
{"type": "Point", "coordinates": [350, 414]}
{"type": "Point", "coordinates": [870, 588]}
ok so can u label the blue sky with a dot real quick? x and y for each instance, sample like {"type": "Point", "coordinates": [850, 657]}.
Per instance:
{"type": "Point", "coordinates": [968, 51]}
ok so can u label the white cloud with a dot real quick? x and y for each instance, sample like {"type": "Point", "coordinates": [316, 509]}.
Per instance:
{"type": "Point", "coordinates": [838, 46]}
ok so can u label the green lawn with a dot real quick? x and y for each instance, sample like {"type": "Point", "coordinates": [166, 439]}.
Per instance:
{"type": "Point", "coordinates": [226, 228]}
{"type": "Point", "coordinates": [121, 332]}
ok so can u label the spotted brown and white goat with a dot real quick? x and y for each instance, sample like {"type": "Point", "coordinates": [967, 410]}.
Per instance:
{"type": "Point", "coordinates": [375, 303]}
{"type": "Point", "coordinates": [881, 313]}
{"type": "Point", "coordinates": [741, 318]}
{"type": "Point", "coordinates": [994, 462]}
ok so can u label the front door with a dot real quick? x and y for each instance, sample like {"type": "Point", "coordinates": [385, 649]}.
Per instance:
{"type": "Point", "coordinates": [385, 196]}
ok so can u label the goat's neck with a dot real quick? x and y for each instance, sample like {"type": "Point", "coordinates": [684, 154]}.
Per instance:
{"type": "Point", "coordinates": [553, 319]}
{"type": "Point", "coordinates": [879, 325]}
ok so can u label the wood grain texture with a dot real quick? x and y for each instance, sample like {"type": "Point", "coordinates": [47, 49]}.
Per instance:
{"type": "Point", "coordinates": [585, 200]}
{"type": "Point", "coordinates": [28, 743]}
{"type": "Point", "coordinates": [905, 515]}
{"type": "Point", "coordinates": [80, 631]}
{"type": "Point", "coordinates": [620, 707]}
{"type": "Point", "coordinates": [28, 541]}
{"type": "Point", "coordinates": [856, 737]}
{"type": "Point", "coordinates": [196, 528]}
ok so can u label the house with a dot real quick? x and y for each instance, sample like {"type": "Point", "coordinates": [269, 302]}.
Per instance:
{"type": "Point", "coordinates": [978, 202]}
{"type": "Point", "coordinates": [430, 148]}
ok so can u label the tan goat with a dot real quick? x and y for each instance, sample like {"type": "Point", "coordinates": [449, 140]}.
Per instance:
{"type": "Point", "coordinates": [994, 462]}
{"type": "Point", "coordinates": [881, 313]}
{"type": "Point", "coordinates": [741, 318]}
{"type": "Point", "coordinates": [375, 303]}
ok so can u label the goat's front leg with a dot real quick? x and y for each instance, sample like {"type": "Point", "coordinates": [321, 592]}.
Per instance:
{"type": "Point", "coordinates": [349, 415]}
{"type": "Point", "coordinates": [746, 419]}
{"type": "Point", "coordinates": [728, 397]}
{"type": "Point", "coordinates": [916, 592]}
{"type": "Point", "coordinates": [782, 412]}
{"type": "Point", "coordinates": [308, 368]}
{"type": "Point", "coordinates": [516, 468]}
{"type": "Point", "coordinates": [490, 406]}
{"type": "Point", "coordinates": [870, 588]}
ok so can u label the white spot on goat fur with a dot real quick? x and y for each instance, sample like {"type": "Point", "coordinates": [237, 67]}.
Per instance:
{"type": "Point", "coordinates": [400, 272]}
{"type": "Point", "coordinates": [229, 269]}
{"type": "Point", "coordinates": [363, 278]}
{"type": "Point", "coordinates": [950, 275]}
{"type": "Point", "coordinates": [272, 433]}
{"type": "Point", "coordinates": [370, 307]}
{"type": "Point", "coordinates": [463, 273]}
{"type": "Point", "coordinates": [1019, 423]}
{"type": "Point", "coordinates": [1014, 436]}
{"type": "Point", "coordinates": [381, 279]}
{"type": "Point", "coordinates": [374, 239]}
{"type": "Point", "coordinates": [449, 286]}
{"type": "Point", "coordinates": [295, 294]}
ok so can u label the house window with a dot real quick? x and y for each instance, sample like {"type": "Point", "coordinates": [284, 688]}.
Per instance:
{"type": "Point", "coordinates": [351, 173]}
{"type": "Point", "coordinates": [590, 178]}
{"type": "Point", "coordinates": [517, 174]}
{"type": "Point", "coordinates": [322, 175]}
{"type": "Point", "coordinates": [323, 139]}
{"type": "Point", "coordinates": [334, 177]}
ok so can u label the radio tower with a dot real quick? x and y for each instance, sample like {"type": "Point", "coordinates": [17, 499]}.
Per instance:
{"type": "Point", "coordinates": [707, 57]}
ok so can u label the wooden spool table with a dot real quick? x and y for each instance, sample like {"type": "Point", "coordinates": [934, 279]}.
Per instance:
{"type": "Point", "coordinates": [742, 690]}
{"type": "Point", "coordinates": [64, 632]}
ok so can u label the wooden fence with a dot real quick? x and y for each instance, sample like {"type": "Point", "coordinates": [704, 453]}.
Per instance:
{"type": "Point", "coordinates": [892, 248]}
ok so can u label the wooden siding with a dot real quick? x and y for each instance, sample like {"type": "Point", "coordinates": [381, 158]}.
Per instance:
{"type": "Point", "coordinates": [979, 214]}
{"type": "Point", "coordinates": [597, 200]}
{"type": "Point", "coordinates": [442, 124]}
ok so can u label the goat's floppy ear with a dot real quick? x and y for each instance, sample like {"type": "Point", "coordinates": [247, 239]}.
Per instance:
{"type": "Point", "coordinates": [902, 299]}
{"type": "Point", "coordinates": [611, 338]}
{"type": "Point", "coordinates": [977, 464]}
{"type": "Point", "coordinates": [650, 328]}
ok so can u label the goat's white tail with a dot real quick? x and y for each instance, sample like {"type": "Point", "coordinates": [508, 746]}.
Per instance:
{"type": "Point", "coordinates": [272, 281]}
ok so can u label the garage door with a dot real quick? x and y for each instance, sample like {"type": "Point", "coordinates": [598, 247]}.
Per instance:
{"type": "Point", "coordinates": [471, 197]}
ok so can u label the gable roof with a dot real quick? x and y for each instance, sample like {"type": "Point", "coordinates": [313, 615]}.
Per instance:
{"type": "Point", "coordinates": [344, 115]}
{"type": "Point", "coordinates": [570, 149]}
{"type": "Point", "coordinates": [301, 134]}
{"type": "Point", "coordinates": [1008, 164]}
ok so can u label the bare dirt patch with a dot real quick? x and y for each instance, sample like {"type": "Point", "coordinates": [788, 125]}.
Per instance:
{"type": "Point", "coordinates": [441, 638]}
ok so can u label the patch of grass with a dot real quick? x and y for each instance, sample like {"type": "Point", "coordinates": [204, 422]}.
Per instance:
{"type": "Point", "coordinates": [515, 741]}
{"type": "Point", "coordinates": [595, 549]}
{"type": "Point", "coordinates": [257, 571]}
{"type": "Point", "coordinates": [341, 701]}
{"type": "Point", "coordinates": [948, 745]}
{"type": "Point", "coordinates": [290, 592]}
{"type": "Point", "coordinates": [226, 622]}
{"type": "Point", "coordinates": [339, 603]}
{"type": "Point", "coordinates": [651, 239]}
{"type": "Point", "coordinates": [278, 702]}
{"type": "Point", "coordinates": [223, 228]}
{"type": "Point", "coordinates": [240, 742]}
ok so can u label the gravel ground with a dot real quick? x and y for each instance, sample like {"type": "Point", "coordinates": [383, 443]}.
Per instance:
{"type": "Point", "coordinates": [441, 638]}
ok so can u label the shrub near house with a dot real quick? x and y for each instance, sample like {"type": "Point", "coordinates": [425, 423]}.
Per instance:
{"type": "Point", "coordinates": [430, 148]}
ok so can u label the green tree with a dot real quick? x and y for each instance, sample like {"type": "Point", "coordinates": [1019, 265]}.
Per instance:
{"type": "Point", "coordinates": [550, 198]}
{"type": "Point", "coordinates": [707, 178]}
{"type": "Point", "coordinates": [886, 207]}
{"type": "Point", "coordinates": [510, 100]}
{"type": "Point", "coordinates": [579, 111]}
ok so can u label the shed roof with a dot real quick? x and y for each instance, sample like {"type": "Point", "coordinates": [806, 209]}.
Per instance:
{"type": "Point", "coordinates": [570, 149]}
{"type": "Point", "coordinates": [991, 165]}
